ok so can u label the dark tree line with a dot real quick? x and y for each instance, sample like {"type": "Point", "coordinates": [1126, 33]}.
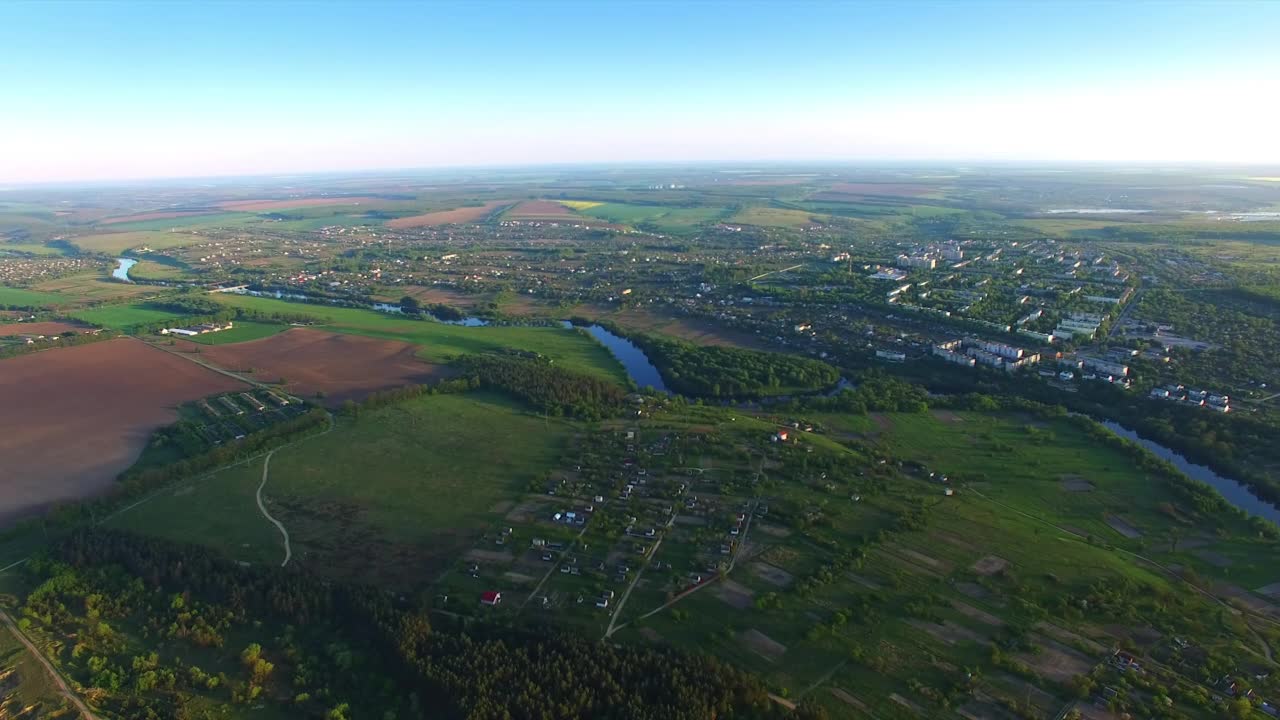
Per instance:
{"type": "Point", "coordinates": [550, 389]}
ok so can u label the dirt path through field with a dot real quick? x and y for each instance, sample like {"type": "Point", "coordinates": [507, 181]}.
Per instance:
{"type": "Point", "coordinates": [53, 674]}
{"type": "Point", "coordinates": [266, 468]}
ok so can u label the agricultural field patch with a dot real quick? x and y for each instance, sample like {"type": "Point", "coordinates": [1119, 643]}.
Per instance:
{"type": "Point", "coordinates": [118, 242]}
{"type": "Point", "coordinates": [146, 216]}
{"type": "Point", "coordinates": [19, 297]}
{"type": "Point", "coordinates": [76, 417]}
{"type": "Point", "coordinates": [316, 363]}
{"type": "Point", "coordinates": [40, 328]}
{"type": "Point", "coordinates": [88, 288]}
{"type": "Point", "coordinates": [776, 217]}
{"type": "Point", "coordinates": [468, 214]}
{"type": "Point", "coordinates": [254, 206]}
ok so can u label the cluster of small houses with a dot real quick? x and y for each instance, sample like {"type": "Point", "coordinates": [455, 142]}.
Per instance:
{"type": "Point", "coordinates": [201, 329]}
{"type": "Point", "coordinates": [1188, 396]}
{"type": "Point", "coordinates": [33, 338]}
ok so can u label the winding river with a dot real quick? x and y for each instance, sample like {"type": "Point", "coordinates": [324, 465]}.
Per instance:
{"type": "Point", "coordinates": [122, 270]}
{"type": "Point", "coordinates": [1236, 493]}
{"type": "Point", "coordinates": [633, 359]}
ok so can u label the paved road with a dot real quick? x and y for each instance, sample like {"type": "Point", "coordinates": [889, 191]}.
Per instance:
{"type": "Point", "coordinates": [266, 468]}
{"type": "Point", "coordinates": [85, 712]}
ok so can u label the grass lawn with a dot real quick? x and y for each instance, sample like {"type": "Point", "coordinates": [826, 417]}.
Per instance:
{"type": "Point", "coordinates": [118, 317]}
{"type": "Point", "coordinates": [409, 480]}
{"type": "Point", "coordinates": [29, 298]}
{"type": "Point", "coordinates": [243, 331]}
{"type": "Point", "coordinates": [440, 342]}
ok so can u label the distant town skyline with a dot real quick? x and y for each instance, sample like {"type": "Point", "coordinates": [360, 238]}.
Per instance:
{"type": "Point", "coordinates": [133, 90]}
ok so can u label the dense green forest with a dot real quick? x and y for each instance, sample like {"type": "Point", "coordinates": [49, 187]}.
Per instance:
{"type": "Point", "coordinates": [157, 630]}
{"type": "Point", "coordinates": [727, 372]}
{"type": "Point", "coordinates": [550, 389]}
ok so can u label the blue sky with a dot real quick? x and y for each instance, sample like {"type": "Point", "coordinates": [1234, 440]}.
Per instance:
{"type": "Point", "coordinates": [118, 89]}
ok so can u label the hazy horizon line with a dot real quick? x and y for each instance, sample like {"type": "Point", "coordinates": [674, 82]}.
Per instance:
{"type": "Point", "coordinates": [745, 164]}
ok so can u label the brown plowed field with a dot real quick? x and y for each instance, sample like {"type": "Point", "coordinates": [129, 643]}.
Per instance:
{"type": "Point", "coordinates": [40, 328]}
{"type": "Point", "coordinates": [74, 418]}
{"type": "Point", "coordinates": [448, 217]}
{"type": "Point", "coordinates": [265, 205]}
{"type": "Point", "coordinates": [343, 367]}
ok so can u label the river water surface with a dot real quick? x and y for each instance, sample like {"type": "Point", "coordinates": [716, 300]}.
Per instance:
{"type": "Point", "coordinates": [122, 271]}
{"type": "Point", "coordinates": [1236, 493]}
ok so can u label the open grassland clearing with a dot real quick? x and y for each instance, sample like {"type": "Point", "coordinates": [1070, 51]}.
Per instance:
{"type": "Point", "coordinates": [389, 496]}
{"type": "Point", "coordinates": [439, 342]}
{"type": "Point", "coordinates": [118, 242]}
{"type": "Point", "coordinates": [76, 417]}
{"type": "Point", "coordinates": [318, 363]}
{"type": "Point", "coordinates": [117, 317]}
{"type": "Point", "coordinates": [466, 214]}
{"type": "Point", "coordinates": [186, 224]}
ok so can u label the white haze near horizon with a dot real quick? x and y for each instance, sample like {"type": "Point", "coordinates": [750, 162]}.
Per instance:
{"type": "Point", "coordinates": [1209, 120]}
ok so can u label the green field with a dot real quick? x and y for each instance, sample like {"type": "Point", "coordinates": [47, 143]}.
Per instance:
{"type": "Point", "coordinates": [30, 248]}
{"type": "Point", "coordinates": [117, 317]}
{"type": "Point", "coordinates": [775, 217]}
{"type": "Point", "coordinates": [29, 298]}
{"type": "Point", "coordinates": [440, 342]}
{"type": "Point", "coordinates": [121, 239]}
{"type": "Point", "coordinates": [661, 217]}
{"type": "Point", "coordinates": [409, 481]}
{"type": "Point", "coordinates": [243, 331]}
{"type": "Point", "coordinates": [152, 270]}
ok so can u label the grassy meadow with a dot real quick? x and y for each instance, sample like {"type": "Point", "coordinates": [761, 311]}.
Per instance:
{"type": "Point", "coordinates": [410, 480]}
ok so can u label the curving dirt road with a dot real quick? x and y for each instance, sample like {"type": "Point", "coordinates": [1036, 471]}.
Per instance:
{"type": "Point", "coordinates": [266, 467]}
